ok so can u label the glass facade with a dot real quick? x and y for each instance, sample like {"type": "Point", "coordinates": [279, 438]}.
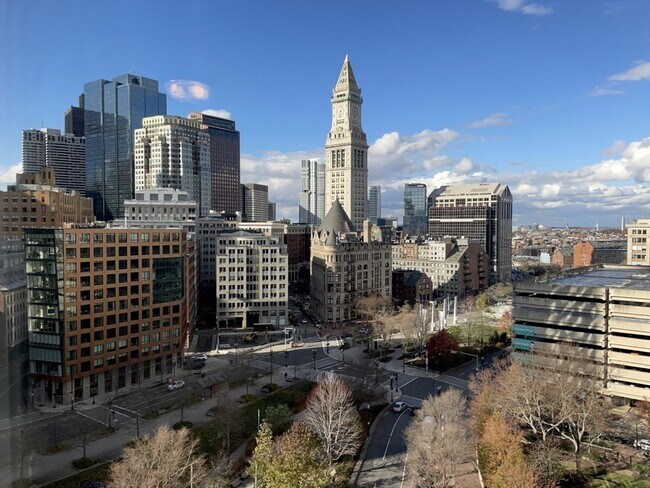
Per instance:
{"type": "Point", "coordinates": [225, 162]}
{"type": "Point", "coordinates": [374, 203]}
{"type": "Point", "coordinates": [113, 110]}
{"type": "Point", "coordinates": [415, 209]}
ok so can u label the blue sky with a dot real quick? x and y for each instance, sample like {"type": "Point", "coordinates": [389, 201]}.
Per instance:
{"type": "Point", "coordinates": [550, 97]}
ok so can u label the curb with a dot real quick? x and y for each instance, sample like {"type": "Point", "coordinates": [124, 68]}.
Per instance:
{"type": "Point", "coordinates": [354, 476]}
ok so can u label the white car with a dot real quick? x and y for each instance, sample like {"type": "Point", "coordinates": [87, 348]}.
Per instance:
{"type": "Point", "coordinates": [175, 385]}
{"type": "Point", "coordinates": [199, 357]}
{"type": "Point", "coordinates": [400, 406]}
{"type": "Point", "coordinates": [643, 444]}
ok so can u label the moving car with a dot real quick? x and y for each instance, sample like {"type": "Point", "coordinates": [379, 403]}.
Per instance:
{"type": "Point", "coordinates": [199, 357]}
{"type": "Point", "coordinates": [175, 385]}
{"type": "Point", "coordinates": [400, 406]}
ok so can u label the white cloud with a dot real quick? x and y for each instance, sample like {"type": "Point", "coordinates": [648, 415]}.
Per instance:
{"type": "Point", "coordinates": [601, 92]}
{"type": "Point", "coordinates": [187, 90]}
{"type": "Point", "coordinates": [639, 72]}
{"type": "Point", "coordinates": [524, 7]}
{"type": "Point", "coordinates": [616, 148]}
{"type": "Point", "coordinates": [493, 120]}
{"type": "Point", "coordinates": [8, 174]}
{"type": "Point", "coordinates": [221, 113]}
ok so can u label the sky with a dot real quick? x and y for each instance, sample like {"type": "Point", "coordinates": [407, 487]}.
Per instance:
{"type": "Point", "coordinates": [549, 97]}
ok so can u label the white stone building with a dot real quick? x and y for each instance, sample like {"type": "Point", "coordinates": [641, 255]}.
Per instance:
{"type": "Point", "coordinates": [252, 280]}
{"type": "Point", "coordinates": [161, 208]}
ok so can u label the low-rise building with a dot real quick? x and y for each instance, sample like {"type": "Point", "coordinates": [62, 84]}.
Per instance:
{"type": "Point", "coordinates": [252, 280]}
{"type": "Point", "coordinates": [456, 267]}
{"type": "Point", "coordinates": [562, 257]}
{"type": "Point", "coordinates": [599, 314]}
{"type": "Point", "coordinates": [161, 208]}
{"type": "Point", "coordinates": [599, 252]}
{"type": "Point", "coordinates": [638, 243]}
{"type": "Point", "coordinates": [411, 287]}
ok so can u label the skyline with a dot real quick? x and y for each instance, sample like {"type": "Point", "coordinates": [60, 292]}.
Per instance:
{"type": "Point", "coordinates": [453, 92]}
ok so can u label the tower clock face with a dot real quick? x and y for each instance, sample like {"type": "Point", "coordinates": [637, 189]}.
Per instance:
{"type": "Point", "coordinates": [355, 112]}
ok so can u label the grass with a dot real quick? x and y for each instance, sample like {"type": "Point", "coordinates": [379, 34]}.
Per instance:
{"type": "Point", "coordinates": [97, 473]}
{"type": "Point", "coordinates": [612, 480]}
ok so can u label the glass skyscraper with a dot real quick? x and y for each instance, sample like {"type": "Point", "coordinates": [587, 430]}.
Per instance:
{"type": "Point", "coordinates": [112, 111]}
{"type": "Point", "coordinates": [415, 209]}
{"type": "Point", "coordinates": [224, 162]}
{"type": "Point", "coordinates": [374, 203]}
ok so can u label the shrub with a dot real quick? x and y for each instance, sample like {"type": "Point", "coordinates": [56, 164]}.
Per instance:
{"type": "Point", "coordinates": [84, 462]}
{"type": "Point", "coordinates": [180, 425]}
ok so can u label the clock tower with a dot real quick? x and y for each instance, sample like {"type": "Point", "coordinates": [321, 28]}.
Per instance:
{"type": "Point", "coordinates": [346, 150]}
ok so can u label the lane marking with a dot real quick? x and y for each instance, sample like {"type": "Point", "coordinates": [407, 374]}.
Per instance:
{"type": "Point", "coordinates": [391, 433]}
{"type": "Point", "coordinates": [91, 418]}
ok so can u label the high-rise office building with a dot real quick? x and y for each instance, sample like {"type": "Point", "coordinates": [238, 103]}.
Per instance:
{"type": "Point", "coordinates": [107, 308]}
{"type": "Point", "coordinates": [112, 111]}
{"type": "Point", "coordinates": [311, 209]}
{"type": "Point", "coordinates": [224, 162]}
{"type": "Point", "coordinates": [74, 119]}
{"type": "Point", "coordinates": [374, 204]}
{"type": "Point", "coordinates": [174, 152]}
{"type": "Point", "coordinates": [255, 202]}
{"type": "Point", "coordinates": [273, 210]}
{"type": "Point", "coordinates": [415, 209]}
{"type": "Point", "coordinates": [65, 154]}
{"type": "Point", "coordinates": [482, 212]}
{"type": "Point", "coordinates": [346, 150]}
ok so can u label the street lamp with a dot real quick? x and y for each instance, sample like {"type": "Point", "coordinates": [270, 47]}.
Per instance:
{"type": "Point", "coordinates": [313, 355]}
{"type": "Point", "coordinates": [71, 392]}
{"type": "Point", "coordinates": [403, 363]}
{"type": "Point", "coordinates": [426, 360]}
{"type": "Point", "coordinates": [286, 359]}
{"type": "Point", "coordinates": [236, 346]}
{"type": "Point", "coordinates": [271, 365]}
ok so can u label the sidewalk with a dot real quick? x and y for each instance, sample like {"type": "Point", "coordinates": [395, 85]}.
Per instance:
{"type": "Point", "coordinates": [44, 468]}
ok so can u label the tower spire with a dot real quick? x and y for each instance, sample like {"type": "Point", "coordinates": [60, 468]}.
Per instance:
{"type": "Point", "coordinates": [347, 82]}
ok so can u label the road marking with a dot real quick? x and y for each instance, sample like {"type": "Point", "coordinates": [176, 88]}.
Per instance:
{"type": "Point", "coordinates": [404, 471]}
{"type": "Point", "coordinates": [91, 418]}
{"type": "Point", "coordinates": [391, 434]}
{"type": "Point", "coordinates": [115, 407]}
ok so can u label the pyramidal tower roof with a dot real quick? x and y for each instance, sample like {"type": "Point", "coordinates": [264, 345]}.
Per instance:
{"type": "Point", "coordinates": [336, 221]}
{"type": "Point", "coordinates": [347, 81]}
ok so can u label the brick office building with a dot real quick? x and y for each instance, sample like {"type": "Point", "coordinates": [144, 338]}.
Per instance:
{"type": "Point", "coordinates": [107, 308]}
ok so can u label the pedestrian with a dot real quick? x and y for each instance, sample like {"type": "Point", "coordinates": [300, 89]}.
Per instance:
{"type": "Point", "coordinates": [439, 391]}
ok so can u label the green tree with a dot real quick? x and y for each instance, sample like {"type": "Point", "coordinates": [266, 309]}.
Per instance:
{"type": "Point", "coordinates": [278, 416]}
{"type": "Point", "coordinates": [293, 460]}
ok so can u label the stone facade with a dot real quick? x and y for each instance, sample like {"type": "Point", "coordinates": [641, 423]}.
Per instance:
{"type": "Point", "coordinates": [638, 243]}
{"type": "Point", "coordinates": [346, 266]}
{"type": "Point", "coordinates": [346, 150]}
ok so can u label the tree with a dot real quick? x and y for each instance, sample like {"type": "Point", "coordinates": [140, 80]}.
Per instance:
{"type": "Point", "coordinates": [165, 459]}
{"type": "Point", "coordinates": [414, 326]}
{"type": "Point", "coordinates": [502, 457]}
{"type": "Point", "coordinates": [439, 348]}
{"type": "Point", "coordinates": [437, 440]}
{"type": "Point", "coordinates": [278, 416]}
{"type": "Point", "coordinates": [372, 306]}
{"type": "Point", "coordinates": [332, 416]}
{"type": "Point", "coordinates": [295, 459]}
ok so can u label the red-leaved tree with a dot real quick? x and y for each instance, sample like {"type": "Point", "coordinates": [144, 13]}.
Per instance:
{"type": "Point", "coordinates": [440, 347]}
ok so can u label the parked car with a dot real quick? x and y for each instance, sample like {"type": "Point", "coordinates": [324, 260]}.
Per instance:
{"type": "Point", "coordinates": [175, 385]}
{"type": "Point", "coordinates": [304, 321]}
{"type": "Point", "coordinates": [400, 406]}
{"type": "Point", "coordinates": [200, 357]}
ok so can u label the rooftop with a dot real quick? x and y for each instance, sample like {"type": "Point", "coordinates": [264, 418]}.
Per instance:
{"type": "Point", "coordinates": [628, 277]}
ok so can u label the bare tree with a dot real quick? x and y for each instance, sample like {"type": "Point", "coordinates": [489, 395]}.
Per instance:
{"type": "Point", "coordinates": [332, 416]}
{"type": "Point", "coordinates": [165, 459]}
{"type": "Point", "coordinates": [437, 440]}
{"type": "Point", "coordinates": [372, 306]}
{"type": "Point", "coordinates": [414, 326]}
